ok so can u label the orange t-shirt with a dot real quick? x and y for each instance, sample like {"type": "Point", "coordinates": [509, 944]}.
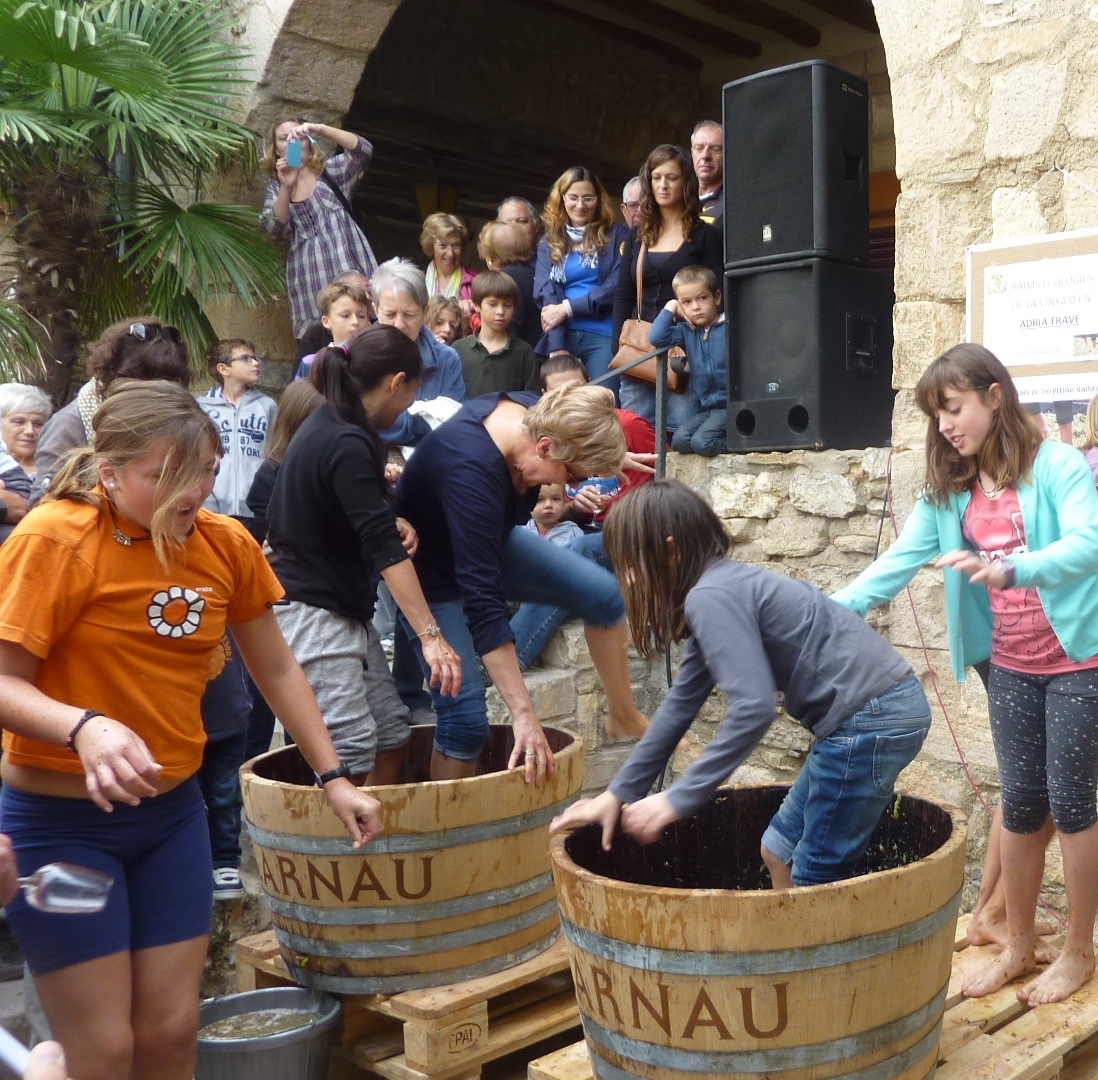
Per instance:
{"type": "Point", "coordinates": [118, 633]}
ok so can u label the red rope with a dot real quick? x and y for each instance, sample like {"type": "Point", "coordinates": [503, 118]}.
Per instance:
{"type": "Point", "coordinates": [961, 756]}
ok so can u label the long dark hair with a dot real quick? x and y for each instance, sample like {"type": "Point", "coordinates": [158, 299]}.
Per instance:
{"type": "Point", "coordinates": [1012, 442]}
{"type": "Point", "coordinates": [343, 373]}
{"type": "Point", "coordinates": [298, 402]}
{"type": "Point", "coordinates": [649, 218]}
{"type": "Point", "coordinates": [655, 577]}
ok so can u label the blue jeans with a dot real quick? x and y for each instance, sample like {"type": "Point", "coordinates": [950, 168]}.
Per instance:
{"type": "Point", "coordinates": [220, 783]}
{"type": "Point", "coordinates": [705, 433]}
{"type": "Point", "coordinates": [534, 624]}
{"type": "Point", "coordinates": [824, 824]}
{"type": "Point", "coordinates": [535, 570]}
{"type": "Point", "coordinates": [596, 352]}
{"type": "Point", "coordinates": [640, 397]}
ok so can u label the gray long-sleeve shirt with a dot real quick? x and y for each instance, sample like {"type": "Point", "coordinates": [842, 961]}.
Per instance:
{"type": "Point", "coordinates": [752, 633]}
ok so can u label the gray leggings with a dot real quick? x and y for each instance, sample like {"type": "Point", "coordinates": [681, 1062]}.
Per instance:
{"type": "Point", "coordinates": [1045, 730]}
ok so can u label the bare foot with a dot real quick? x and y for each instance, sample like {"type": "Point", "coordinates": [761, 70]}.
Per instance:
{"type": "Point", "coordinates": [988, 927]}
{"type": "Point", "coordinates": [1046, 951]}
{"type": "Point", "coordinates": [631, 726]}
{"type": "Point", "coordinates": [1070, 971]}
{"type": "Point", "coordinates": [1009, 964]}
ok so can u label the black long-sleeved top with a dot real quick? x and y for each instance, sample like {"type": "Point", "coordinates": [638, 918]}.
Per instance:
{"type": "Point", "coordinates": [704, 248]}
{"type": "Point", "coordinates": [329, 523]}
{"type": "Point", "coordinates": [458, 493]}
{"type": "Point", "coordinates": [527, 321]}
{"type": "Point", "coordinates": [259, 498]}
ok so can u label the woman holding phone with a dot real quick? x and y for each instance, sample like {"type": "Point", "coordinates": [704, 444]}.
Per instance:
{"type": "Point", "coordinates": [308, 204]}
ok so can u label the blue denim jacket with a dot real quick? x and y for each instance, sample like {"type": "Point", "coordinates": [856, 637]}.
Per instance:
{"type": "Point", "coordinates": [441, 378]}
{"type": "Point", "coordinates": [706, 354]}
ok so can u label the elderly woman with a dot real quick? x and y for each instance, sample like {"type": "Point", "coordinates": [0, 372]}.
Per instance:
{"type": "Point", "coordinates": [144, 348]}
{"type": "Point", "coordinates": [308, 204]}
{"type": "Point", "coordinates": [24, 411]}
{"type": "Point", "coordinates": [464, 490]}
{"type": "Point", "coordinates": [400, 297]}
{"type": "Point", "coordinates": [443, 242]}
{"type": "Point", "coordinates": [577, 271]}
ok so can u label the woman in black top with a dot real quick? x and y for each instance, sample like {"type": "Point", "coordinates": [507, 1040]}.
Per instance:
{"type": "Point", "coordinates": [669, 224]}
{"type": "Point", "coordinates": [331, 529]}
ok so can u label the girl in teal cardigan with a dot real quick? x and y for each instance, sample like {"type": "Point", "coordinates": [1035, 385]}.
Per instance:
{"type": "Point", "coordinates": [1013, 520]}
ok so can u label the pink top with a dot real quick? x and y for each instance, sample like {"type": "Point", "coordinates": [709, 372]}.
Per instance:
{"type": "Point", "coordinates": [1022, 638]}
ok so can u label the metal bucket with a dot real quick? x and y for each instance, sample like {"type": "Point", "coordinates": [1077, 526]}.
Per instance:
{"type": "Point", "coordinates": [299, 1054]}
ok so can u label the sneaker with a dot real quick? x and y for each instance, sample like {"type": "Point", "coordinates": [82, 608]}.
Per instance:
{"type": "Point", "coordinates": [388, 647]}
{"type": "Point", "coordinates": [227, 883]}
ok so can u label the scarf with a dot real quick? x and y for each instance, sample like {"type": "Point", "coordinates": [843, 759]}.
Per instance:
{"type": "Point", "coordinates": [87, 401]}
{"type": "Point", "coordinates": [450, 288]}
{"type": "Point", "coordinates": [589, 260]}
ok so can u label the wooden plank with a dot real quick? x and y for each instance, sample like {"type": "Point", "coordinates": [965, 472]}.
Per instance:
{"type": "Point", "coordinates": [973, 1017]}
{"type": "Point", "coordinates": [434, 1046]}
{"type": "Point", "coordinates": [657, 17]}
{"type": "Point", "coordinates": [512, 1033]}
{"type": "Point", "coordinates": [767, 17]}
{"type": "Point", "coordinates": [1082, 1062]}
{"type": "Point", "coordinates": [438, 1001]}
{"type": "Point", "coordinates": [569, 1063]}
{"type": "Point", "coordinates": [858, 13]}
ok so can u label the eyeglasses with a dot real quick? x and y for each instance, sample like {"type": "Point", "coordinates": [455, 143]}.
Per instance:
{"type": "Point", "coordinates": [152, 331]}
{"type": "Point", "coordinates": [245, 360]}
{"type": "Point", "coordinates": [632, 205]}
{"type": "Point", "coordinates": [586, 200]}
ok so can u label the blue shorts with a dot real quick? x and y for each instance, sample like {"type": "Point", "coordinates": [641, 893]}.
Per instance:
{"type": "Point", "coordinates": [157, 852]}
{"type": "Point", "coordinates": [823, 826]}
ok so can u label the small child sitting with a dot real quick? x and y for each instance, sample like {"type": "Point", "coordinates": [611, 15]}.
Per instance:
{"type": "Point", "coordinates": [693, 320]}
{"type": "Point", "coordinates": [545, 519]}
{"type": "Point", "coordinates": [343, 309]}
{"type": "Point", "coordinates": [443, 319]}
{"type": "Point", "coordinates": [495, 358]}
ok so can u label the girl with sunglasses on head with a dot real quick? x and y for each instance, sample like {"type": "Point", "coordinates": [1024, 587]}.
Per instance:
{"type": "Point", "coordinates": [118, 590]}
{"type": "Point", "coordinates": [143, 348]}
{"type": "Point", "coordinates": [1013, 521]}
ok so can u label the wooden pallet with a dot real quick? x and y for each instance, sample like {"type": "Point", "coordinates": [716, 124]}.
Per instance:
{"type": "Point", "coordinates": [990, 1038]}
{"type": "Point", "coordinates": [444, 1033]}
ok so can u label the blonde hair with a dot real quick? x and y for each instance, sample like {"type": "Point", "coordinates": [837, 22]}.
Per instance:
{"type": "Point", "coordinates": [317, 158]}
{"type": "Point", "coordinates": [554, 217]}
{"type": "Point", "coordinates": [438, 227]}
{"type": "Point", "coordinates": [504, 243]}
{"type": "Point", "coordinates": [1092, 424]}
{"type": "Point", "coordinates": [438, 303]}
{"type": "Point", "coordinates": [135, 417]}
{"type": "Point", "coordinates": [584, 427]}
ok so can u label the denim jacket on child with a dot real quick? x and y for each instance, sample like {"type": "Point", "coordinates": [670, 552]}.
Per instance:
{"type": "Point", "coordinates": [705, 353]}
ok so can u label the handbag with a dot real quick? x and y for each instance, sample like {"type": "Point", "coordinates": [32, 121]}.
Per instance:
{"type": "Point", "coordinates": [633, 343]}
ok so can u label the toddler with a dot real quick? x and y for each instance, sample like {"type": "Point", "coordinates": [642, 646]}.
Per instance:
{"type": "Point", "coordinates": [545, 519]}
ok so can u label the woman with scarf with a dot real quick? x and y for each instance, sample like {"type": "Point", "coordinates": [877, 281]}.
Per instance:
{"type": "Point", "coordinates": [577, 271]}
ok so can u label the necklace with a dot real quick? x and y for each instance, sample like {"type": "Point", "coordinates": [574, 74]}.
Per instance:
{"type": "Point", "coordinates": [121, 538]}
{"type": "Point", "coordinates": [991, 494]}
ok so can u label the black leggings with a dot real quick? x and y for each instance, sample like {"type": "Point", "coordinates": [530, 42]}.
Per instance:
{"type": "Point", "coordinates": [1045, 731]}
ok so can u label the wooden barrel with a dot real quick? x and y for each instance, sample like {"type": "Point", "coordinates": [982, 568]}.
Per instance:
{"type": "Point", "coordinates": [686, 964]}
{"type": "Point", "coordinates": [458, 885]}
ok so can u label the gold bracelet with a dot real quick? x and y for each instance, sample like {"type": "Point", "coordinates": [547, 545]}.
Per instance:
{"type": "Point", "coordinates": [432, 631]}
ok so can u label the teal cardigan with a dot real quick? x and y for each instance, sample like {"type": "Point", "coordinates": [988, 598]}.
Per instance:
{"type": "Point", "coordinates": [1060, 515]}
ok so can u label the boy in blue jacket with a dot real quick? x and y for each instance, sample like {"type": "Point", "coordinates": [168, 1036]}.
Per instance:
{"type": "Point", "coordinates": [693, 320]}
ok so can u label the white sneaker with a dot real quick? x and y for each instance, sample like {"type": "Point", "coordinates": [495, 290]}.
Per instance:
{"type": "Point", "coordinates": [227, 883]}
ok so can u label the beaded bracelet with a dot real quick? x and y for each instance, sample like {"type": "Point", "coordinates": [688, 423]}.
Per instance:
{"type": "Point", "coordinates": [70, 742]}
{"type": "Point", "coordinates": [434, 631]}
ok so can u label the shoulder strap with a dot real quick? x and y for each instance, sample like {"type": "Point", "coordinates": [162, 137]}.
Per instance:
{"type": "Point", "coordinates": [337, 191]}
{"type": "Point", "coordinates": [640, 277]}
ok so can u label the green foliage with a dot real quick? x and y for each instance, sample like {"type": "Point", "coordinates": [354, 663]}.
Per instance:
{"type": "Point", "coordinates": [135, 99]}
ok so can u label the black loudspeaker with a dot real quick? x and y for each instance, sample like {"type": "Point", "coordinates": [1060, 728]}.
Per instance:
{"type": "Point", "coordinates": [809, 357]}
{"type": "Point", "coordinates": [796, 166]}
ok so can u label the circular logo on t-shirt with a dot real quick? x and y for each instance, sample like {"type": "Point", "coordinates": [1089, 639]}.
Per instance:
{"type": "Point", "coordinates": [175, 612]}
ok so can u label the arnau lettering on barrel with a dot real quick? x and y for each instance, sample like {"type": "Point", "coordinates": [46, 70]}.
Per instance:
{"type": "Point", "coordinates": [424, 877]}
{"type": "Point", "coordinates": [334, 886]}
{"type": "Point", "coordinates": [781, 1008]}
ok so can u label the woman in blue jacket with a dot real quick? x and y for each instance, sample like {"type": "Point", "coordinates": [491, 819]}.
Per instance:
{"type": "Point", "coordinates": [577, 271]}
{"type": "Point", "coordinates": [1013, 520]}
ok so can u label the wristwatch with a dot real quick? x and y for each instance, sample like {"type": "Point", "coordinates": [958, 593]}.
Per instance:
{"type": "Point", "coordinates": [333, 774]}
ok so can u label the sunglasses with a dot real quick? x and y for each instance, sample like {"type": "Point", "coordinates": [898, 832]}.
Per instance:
{"type": "Point", "coordinates": [152, 331]}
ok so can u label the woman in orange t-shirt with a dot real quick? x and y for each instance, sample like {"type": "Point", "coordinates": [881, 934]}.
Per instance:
{"type": "Point", "coordinates": [116, 590]}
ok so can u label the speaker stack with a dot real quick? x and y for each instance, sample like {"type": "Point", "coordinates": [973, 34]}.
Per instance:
{"type": "Point", "coordinates": [809, 324]}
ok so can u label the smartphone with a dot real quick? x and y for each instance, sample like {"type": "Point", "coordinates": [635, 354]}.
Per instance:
{"type": "Point", "coordinates": [293, 153]}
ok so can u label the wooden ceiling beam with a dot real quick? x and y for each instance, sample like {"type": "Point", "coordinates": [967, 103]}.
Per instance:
{"type": "Point", "coordinates": [858, 13]}
{"type": "Point", "coordinates": [626, 34]}
{"type": "Point", "coordinates": [704, 33]}
{"type": "Point", "coordinates": [767, 17]}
